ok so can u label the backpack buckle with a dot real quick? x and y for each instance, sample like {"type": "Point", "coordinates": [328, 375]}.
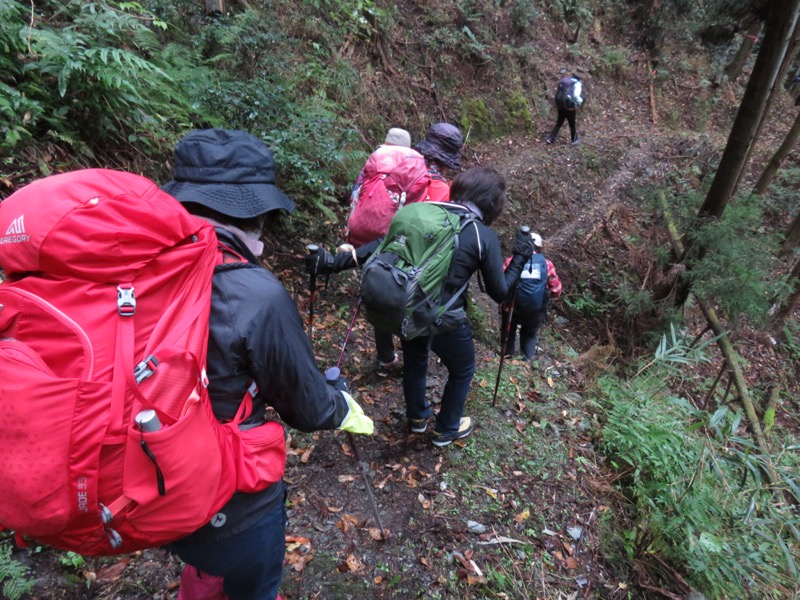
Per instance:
{"type": "Point", "coordinates": [145, 369]}
{"type": "Point", "coordinates": [126, 301]}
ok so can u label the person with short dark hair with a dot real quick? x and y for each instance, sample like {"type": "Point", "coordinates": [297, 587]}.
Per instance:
{"type": "Point", "coordinates": [442, 151]}
{"type": "Point", "coordinates": [481, 193]}
{"type": "Point", "coordinates": [257, 347]}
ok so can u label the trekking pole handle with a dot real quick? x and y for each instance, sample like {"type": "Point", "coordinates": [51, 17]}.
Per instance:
{"type": "Point", "coordinates": [312, 280]}
{"type": "Point", "coordinates": [525, 229]}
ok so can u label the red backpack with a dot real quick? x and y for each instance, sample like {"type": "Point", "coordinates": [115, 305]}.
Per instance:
{"type": "Point", "coordinates": [393, 177]}
{"type": "Point", "coordinates": [104, 313]}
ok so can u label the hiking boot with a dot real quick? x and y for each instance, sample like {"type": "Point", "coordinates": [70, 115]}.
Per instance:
{"type": "Point", "coordinates": [576, 140]}
{"type": "Point", "coordinates": [418, 425]}
{"type": "Point", "coordinates": [385, 369]}
{"type": "Point", "coordinates": [549, 140]}
{"type": "Point", "coordinates": [466, 427]}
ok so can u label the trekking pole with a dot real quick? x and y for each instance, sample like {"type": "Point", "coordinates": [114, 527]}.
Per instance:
{"type": "Point", "coordinates": [505, 329]}
{"type": "Point", "coordinates": [312, 289]}
{"type": "Point", "coordinates": [331, 375]}
{"type": "Point", "coordinates": [349, 329]}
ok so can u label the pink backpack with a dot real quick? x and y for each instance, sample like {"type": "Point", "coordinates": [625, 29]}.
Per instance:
{"type": "Point", "coordinates": [104, 313]}
{"type": "Point", "coordinates": [393, 177]}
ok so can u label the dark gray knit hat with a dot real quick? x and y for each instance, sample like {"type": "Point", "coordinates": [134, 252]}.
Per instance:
{"type": "Point", "coordinates": [229, 171]}
{"type": "Point", "coordinates": [443, 143]}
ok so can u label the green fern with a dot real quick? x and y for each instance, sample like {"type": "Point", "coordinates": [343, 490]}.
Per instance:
{"type": "Point", "coordinates": [13, 574]}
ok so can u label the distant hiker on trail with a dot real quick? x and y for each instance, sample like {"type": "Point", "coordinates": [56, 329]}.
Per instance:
{"type": "Point", "coordinates": [478, 194]}
{"type": "Point", "coordinates": [538, 284]}
{"type": "Point", "coordinates": [442, 151]}
{"type": "Point", "coordinates": [568, 100]}
{"type": "Point", "coordinates": [393, 176]}
{"type": "Point", "coordinates": [258, 349]}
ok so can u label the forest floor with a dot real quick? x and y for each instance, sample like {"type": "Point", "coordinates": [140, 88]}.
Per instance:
{"type": "Point", "coordinates": [516, 510]}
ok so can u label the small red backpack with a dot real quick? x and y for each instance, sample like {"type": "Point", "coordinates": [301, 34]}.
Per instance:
{"type": "Point", "coordinates": [104, 314]}
{"type": "Point", "coordinates": [393, 177]}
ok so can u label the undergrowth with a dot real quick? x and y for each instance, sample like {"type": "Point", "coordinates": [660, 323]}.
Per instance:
{"type": "Point", "coordinates": [699, 496]}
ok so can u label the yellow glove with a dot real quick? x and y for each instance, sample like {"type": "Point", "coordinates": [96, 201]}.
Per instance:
{"type": "Point", "coordinates": [356, 421]}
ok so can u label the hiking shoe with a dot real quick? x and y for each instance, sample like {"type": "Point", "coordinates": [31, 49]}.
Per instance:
{"type": "Point", "coordinates": [385, 369]}
{"type": "Point", "coordinates": [549, 140]}
{"type": "Point", "coordinates": [466, 427]}
{"type": "Point", "coordinates": [418, 425]}
{"type": "Point", "coordinates": [576, 140]}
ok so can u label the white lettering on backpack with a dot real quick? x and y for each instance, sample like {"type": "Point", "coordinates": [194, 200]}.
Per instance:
{"type": "Point", "coordinates": [83, 495]}
{"type": "Point", "coordinates": [534, 273]}
{"type": "Point", "coordinates": [15, 232]}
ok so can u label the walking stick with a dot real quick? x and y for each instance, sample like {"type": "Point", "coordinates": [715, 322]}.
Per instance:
{"type": "Point", "coordinates": [349, 329]}
{"type": "Point", "coordinates": [312, 290]}
{"type": "Point", "coordinates": [332, 375]}
{"type": "Point", "coordinates": [505, 329]}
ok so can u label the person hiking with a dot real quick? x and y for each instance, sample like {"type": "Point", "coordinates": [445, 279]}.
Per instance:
{"type": "Point", "coordinates": [394, 137]}
{"type": "Point", "coordinates": [480, 193]}
{"type": "Point", "coordinates": [442, 151]}
{"type": "Point", "coordinates": [256, 345]}
{"type": "Point", "coordinates": [568, 100]}
{"type": "Point", "coordinates": [372, 206]}
{"type": "Point", "coordinates": [538, 285]}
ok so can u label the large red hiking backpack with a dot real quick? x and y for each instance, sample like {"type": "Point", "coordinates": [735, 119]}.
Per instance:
{"type": "Point", "coordinates": [393, 177]}
{"type": "Point", "coordinates": [104, 313]}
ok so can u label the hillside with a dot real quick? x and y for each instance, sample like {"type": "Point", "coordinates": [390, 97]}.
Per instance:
{"type": "Point", "coordinates": [537, 503]}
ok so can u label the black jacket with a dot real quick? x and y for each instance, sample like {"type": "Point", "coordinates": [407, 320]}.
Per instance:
{"type": "Point", "coordinates": [256, 334]}
{"type": "Point", "coordinates": [479, 250]}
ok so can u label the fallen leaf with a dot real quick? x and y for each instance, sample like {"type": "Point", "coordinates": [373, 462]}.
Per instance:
{"type": "Point", "coordinates": [346, 478]}
{"type": "Point", "coordinates": [571, 563]}
{"type": "Point", "coordinates": [335, 509]}
{"type": "Point", "coordinates": [490, 491]}
{"type": "Point", "coordinates": [375, 533]}
{"type": "Point", "coordinates": [111, 572]}
{"type": "Point", "coordinates": [520, 427]}
{"type": "Point", "coordinates": [567, 547]}
{"type": "Point", "coordinates": [525, 514]}
{"type": "Point", "coordinates": [475, 580]}
{"type": "Point", "coordinates": [353, 563]}
{"type": "Point", "coordinates": [550, 382]}
{"type": "Point", "coordinates": [307, 454]}
{"type": "Point", "coordinates": [378, 580]}
{"type": "Point", "coordinates": [425, 562]}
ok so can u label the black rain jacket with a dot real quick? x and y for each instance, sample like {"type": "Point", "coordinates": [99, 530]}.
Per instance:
{"type": "Point", "coordinates": [256, 334]}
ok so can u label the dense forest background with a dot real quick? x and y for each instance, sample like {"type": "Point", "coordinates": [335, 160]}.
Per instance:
{"type": "Point", "coordinates": [652, 449]}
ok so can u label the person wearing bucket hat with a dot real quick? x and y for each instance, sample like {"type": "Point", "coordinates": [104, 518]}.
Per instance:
{"type": "Point", "coordinates": [442, 151]}
{"type": "Point", "coordinates": [538, 285]}
{"type": "Point", "coordinates": [256, 336]}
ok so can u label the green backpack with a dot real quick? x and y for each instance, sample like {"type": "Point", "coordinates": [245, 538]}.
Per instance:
{"type": "Point", "coordinates": [403, 284]}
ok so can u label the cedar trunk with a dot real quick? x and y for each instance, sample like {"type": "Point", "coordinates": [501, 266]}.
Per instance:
{"type": "Point", "coordinates": [780, 155]}
{"type": "Point", "coordinates": [771, 60]}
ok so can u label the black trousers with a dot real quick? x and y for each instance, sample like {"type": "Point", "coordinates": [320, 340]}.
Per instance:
{"type": "Point", "coordinates": [569, 115]}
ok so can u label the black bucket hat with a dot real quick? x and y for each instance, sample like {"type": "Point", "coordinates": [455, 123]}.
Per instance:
{"type": "Point", "coordinates": [229, 171]}
{"type": "Point", "coordinates": [443, 143]}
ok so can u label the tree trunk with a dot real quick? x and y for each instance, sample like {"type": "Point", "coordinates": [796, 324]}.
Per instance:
{"type": "Point", "coordinates": [734, 68]}
{"type": "Point", "coordinates": [780, 26]}
{"type": "Point", "coordinates": [780, 155]}
{"type": "Point", "coordinates": [792, 237]}
{"type": "Point", "coordinates": [786, 311]}
{"type": "Point", "coordinates": [213, 6]}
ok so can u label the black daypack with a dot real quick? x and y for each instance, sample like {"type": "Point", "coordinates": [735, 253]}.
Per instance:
{"type": "Point", "coordinates": [403, 284]}
{"type": "Point", "coordinates": [532, 294]}
{"type": "Point", "coordinates": [565, 93]}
